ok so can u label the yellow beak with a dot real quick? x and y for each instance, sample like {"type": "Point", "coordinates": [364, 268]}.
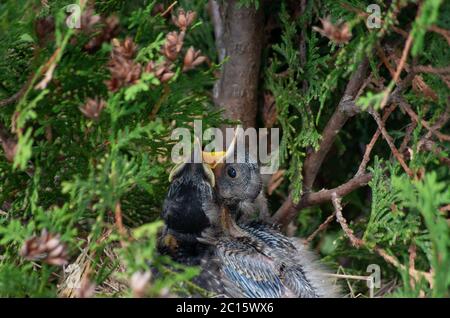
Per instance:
{"type": "Point", "coordinates": [213, 158]}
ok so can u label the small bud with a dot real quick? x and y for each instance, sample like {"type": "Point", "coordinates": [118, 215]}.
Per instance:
{"type": "Point", "coordinates": [184, 19]}
{"type": "Point", "coordinates": [192, 59]}
{"type": "Point", "coordinates": [338, 33]}
{"type": "Point", "coordinates": [93, 108]}
{"type": "Point", "coordinates": [46, 248]}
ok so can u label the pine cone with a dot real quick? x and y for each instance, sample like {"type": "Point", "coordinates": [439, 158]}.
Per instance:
{"type": "Point", "coordinates": [88, 20]}
{"type": "Point", "coordinates": [192, 59]}
{"type": "Point", "coordinates": [123, 73]}
{"type": "Point", "coordinates": [162, 72]}
{"type": "Point", "coordinates": [173, 45]}
{"type": "Point", "coordinates": [46, 248]}
{"type": "Point", "coordinates": [126, 49]}
{"type": "Point", "coordinates": [184, 19]}
{"type": "Point", "coordinates": [93, 108]}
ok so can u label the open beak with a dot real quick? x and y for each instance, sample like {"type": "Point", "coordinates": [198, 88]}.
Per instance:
{"type": "Point", "coordinates": [214, 158]}
{"type": "Point", "coordinates": [206, 169]}
{"type": "Point", "coordinates": [210, 160]}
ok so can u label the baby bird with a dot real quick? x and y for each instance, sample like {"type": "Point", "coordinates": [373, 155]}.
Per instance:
{"type": "Point", "coordinates": [239, 187]}
{"type": "Point", "coordinates": [206, 223]}
{"type": "Point", "coordinates": [184, 211]}
{"type": "Point", "coordinates": [255, 259]}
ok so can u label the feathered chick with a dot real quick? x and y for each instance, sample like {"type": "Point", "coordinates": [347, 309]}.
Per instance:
{"type": "Point", "coordinates": [239, 187]}
{"type": "Point", "coordinates": [238, 258]}
{"type": "Point", "coordinates": [184, 211]}
{"type": "Point", "coordinates": [255, 259]}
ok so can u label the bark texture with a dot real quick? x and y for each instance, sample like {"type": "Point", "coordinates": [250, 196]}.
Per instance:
{"type": "Point", "coordinates": [239, 38]}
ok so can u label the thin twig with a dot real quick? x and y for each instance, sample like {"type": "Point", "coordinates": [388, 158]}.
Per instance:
{"type": "Point", "coordinates": [283, 217]}
{"type": "Point", "coordinates": [366, 158]}
{"type": "Point", "coordinates": [390, 142]}
{"type": "Point", "coordinates": [356, 242]}
{"type": "Point", "coordinates": [408, 136]}
{"type": "Point", "coordinates": [432, 70]}
{"type": "Point", "coordinates": [443, 32]}
{"type": "Point", "coordinates": [399, 70]}
{"type": "Point", "coordinates": [408, 109]}
{"type": "Point", "coordinates": [169, 8]}
{"type": "Point", "coordinates": [321, 227]}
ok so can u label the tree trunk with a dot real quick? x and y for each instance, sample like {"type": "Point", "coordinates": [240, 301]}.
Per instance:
{"type": "Point", "coordinates": [239, 37]}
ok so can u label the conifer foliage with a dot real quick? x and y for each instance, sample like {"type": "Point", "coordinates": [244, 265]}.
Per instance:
{"type": "Point", "coordinates": [88, 105]}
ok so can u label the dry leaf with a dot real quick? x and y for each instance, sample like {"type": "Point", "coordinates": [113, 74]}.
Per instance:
{"type": "Point", "coordinates": [338, 33]}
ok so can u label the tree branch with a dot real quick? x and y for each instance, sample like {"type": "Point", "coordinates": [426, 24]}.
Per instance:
{"type": "Point", "coordinates": [345, 110]}
{"type": "Point", "coordinates": [356, 242]}
{"type": "Point", "coordinates": [285, 214]}
{"type": "Point", "coordinates": [391, 144]}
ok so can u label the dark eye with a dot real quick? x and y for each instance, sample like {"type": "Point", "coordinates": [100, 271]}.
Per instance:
{"type": "Point", "coordinates": [231, 172]}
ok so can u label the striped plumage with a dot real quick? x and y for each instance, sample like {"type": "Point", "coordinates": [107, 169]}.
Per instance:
{"type": "Point", "coordinates": [265, 263]}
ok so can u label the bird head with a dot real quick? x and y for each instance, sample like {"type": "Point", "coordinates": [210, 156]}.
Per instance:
{"type": "Point", "coordinates": [187, 202]}
{"type": "Point", "coordinates": [237, 184]}
{"type": "Point", "coordinates": [200, 194]}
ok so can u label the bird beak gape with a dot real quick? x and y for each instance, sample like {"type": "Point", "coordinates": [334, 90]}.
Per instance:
{"type": "Point", "coordinates": [214, 158]}
{"type": "Point", "coordinates": [210, 160]}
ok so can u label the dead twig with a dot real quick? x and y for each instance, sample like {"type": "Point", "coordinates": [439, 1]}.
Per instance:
{"type": "Point", "coordinates": [321, 227]}
{"type": "Point", "coordinates": [408, 109]}
{"type": "Point", "coordinates": [356, 242]}
{"type": "Point", "coordinates": [391, 144]}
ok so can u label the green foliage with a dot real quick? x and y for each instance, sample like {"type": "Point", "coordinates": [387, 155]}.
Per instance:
{"type": "Point", "coordinates": [307, 92]}
{"type": "Point", "coordinates": [249, 3]}
{"type": "Point", "coordinates": [70, 172]}
{"type": "Point", "coordinates": [294, 115]}
{"type": "Point", "coordinates": [388, 224]}
{"type": "Point", "coordinates": [426, 197]}
{"type": "Point", "coordinates": [428, 15]}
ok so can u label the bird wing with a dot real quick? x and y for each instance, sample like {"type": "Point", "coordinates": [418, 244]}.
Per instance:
{"type": "Point", "coordinates": [298, 273]}
{"type": "Point", "coordinates": [247, 272]}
